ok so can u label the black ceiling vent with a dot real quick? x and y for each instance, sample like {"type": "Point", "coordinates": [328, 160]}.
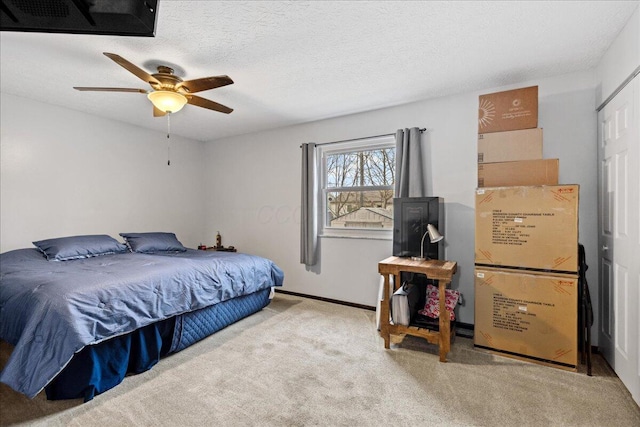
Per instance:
{"type": "Point", "coordinates": [107, 17]}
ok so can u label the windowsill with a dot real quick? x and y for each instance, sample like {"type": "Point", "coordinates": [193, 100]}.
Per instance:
{"type": "Point", "coordinates": [355, 235]}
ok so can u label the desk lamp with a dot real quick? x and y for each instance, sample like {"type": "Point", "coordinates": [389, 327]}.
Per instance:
{"type": "Point", "coordinates": [434, 237]}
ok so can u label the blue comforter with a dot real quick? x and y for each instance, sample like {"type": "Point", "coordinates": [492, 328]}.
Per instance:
{"type": "Point", "coordinates": [50, 310]}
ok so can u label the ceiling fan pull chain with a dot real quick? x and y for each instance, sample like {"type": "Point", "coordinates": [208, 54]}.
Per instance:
{"type": "Point", "coordinates": [168, 139]}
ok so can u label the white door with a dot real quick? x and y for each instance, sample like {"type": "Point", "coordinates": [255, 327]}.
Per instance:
{"type": "Point", "coordinates": [619, 158]}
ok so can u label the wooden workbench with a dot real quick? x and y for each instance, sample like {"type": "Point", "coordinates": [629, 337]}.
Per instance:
{"type": "Point", "coordinates": [443, 272]}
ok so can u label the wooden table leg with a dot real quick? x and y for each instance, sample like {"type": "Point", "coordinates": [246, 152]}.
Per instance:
{"type": "Point", "coordinates": [384, 313]}
{"type": "Point", "coordinates": [444, 323]}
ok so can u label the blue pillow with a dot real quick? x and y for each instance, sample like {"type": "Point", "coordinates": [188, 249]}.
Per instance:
{"type": "Point", "coordinates": [149, 243]}
{"type": "Point", "coordinates": [78, 247]}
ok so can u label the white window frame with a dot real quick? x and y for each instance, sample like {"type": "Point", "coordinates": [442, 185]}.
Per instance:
{"type": "Point", "coordinates": [364, 144]}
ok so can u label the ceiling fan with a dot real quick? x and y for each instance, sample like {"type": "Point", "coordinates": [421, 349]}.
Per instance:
{"type": "Point", "coordinates": [169, 93]}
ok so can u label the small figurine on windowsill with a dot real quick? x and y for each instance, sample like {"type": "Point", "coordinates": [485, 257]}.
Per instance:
{"type": "Point", "coordinates": [218, 240]}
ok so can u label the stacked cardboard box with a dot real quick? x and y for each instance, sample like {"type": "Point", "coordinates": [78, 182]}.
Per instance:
{"type": "Point", "coordinates": [528, 314]}
{"type": "Point", "coordinates": [509, 141]}
{"type": "Point", "coordinates": [526, 243]}
{"type": "Point", "coordinates": [530, 228]}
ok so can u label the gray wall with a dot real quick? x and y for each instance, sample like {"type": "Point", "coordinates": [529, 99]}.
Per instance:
{"type": "Point", "coordinates": [253, 184]}
{"type": "Point", "coordinates": [65, 173]}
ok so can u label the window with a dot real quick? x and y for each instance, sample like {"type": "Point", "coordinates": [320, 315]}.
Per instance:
{"type": "Point", "coordinates": [357, 187]}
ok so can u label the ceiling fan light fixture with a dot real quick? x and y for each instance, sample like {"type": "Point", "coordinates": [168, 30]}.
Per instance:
{"type": "Point", "coordinates": [169, 92]}
{"type": "Point", "coordinates": [167, 101]}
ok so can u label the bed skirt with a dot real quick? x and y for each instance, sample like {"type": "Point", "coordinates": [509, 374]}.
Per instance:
{"type": "Point", "coordinates": [100, 367]}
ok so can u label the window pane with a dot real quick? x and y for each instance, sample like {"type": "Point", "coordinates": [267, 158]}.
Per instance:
{"type": "Point", "coordinates": [358, 185]}
{"type": "Point", "coordinates": [361, 168]}
{"type": "Point", "coordinates": [342, 170]}
{"type": "Point", "coordinates": [379, 166]}
{"type": "Point", "coordinates": [360, 209]}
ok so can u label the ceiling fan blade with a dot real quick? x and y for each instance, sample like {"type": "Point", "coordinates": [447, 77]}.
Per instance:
{"type": "Point", "coordinates": [140, 73]}
{"type": "Point", "coordinates": [158, 112]}
{"type": "Point", "coordinates": [108, 89]}
{"type": "Point", "coordinates": [205, 103]}
{"type": "Point", "coordinates": [205, 83]}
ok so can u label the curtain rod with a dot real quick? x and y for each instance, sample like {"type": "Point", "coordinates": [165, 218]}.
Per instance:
{"type": "Point", "coordinates": [365, 137]}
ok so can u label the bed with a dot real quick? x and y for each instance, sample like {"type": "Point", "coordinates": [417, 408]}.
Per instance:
{"type": "Point", "coordinates": [80, 325]}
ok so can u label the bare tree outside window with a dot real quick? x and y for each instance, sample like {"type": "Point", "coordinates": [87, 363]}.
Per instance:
{"type": "Point", "coordinates": [380, 168]}
{"type": "Point", "coordinates": [359, 188]}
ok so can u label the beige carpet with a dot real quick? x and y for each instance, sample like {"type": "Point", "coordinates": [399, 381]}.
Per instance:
{"type": "Point", "coordinates": [303, 362]}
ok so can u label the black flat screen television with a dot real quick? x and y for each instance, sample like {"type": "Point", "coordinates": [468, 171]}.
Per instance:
{"type": "Point", "coordinates": [411, 215]}
{"type": "Point", "coordinates": [134, 18]}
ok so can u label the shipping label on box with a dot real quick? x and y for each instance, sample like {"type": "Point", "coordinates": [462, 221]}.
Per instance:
{"type": "Point", "coordinates": [528, 227]}
{"type": "Point", "coordinates": [523, 172]}
{"type": "Point", "coordinates": [508, 110]}
{"type": "Point", "coordinates": [534, 315]}
{"type": "Point", "coordinates": [510, 146]}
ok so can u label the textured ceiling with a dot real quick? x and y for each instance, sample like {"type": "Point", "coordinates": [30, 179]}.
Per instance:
{"type": "Point", "coordinates": [295, 62]}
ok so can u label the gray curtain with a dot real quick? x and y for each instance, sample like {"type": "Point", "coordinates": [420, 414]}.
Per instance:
{"type": "Point", "coordinates": [409, 172]}
{"type": "Point", "coordinates": [309, 208]}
